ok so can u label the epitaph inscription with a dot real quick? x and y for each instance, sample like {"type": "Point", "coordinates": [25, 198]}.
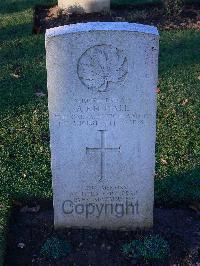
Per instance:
{"type": "Point", "coordinates": [101, 65]}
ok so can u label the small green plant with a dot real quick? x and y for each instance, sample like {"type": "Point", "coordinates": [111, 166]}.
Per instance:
{"type": "Point", "coordinates": [55, 248]}
{"type": "Point", "coordinates": [133, 249]}
{"type": "Point", "coordinates": [155, 248]}
{"type": "Point", "coordinates": [151, 248]}
{"type": "Point", "coordinates": [173, 7]}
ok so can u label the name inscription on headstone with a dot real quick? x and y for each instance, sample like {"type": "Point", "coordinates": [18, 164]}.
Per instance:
{"type": "Point", "coordinates": [106, 113]}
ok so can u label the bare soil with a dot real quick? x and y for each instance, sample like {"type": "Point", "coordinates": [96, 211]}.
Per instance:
{"type": "Point", "coordinates": [100, 247]}
{"type": "Point", "coordinates": [51, 16]}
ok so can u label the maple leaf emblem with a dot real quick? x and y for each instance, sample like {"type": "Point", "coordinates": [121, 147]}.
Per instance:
{"type": "Point", "coordinates": [101, 65]}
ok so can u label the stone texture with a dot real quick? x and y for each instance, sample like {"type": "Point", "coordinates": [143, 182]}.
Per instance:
{"type": "Point", "coordinates": [102, 80]}
{"type": "Point", "coordinates": [84, 6]}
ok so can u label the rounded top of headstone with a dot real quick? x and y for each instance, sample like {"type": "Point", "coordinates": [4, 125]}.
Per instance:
{"type": "Point", "coordinates": [101, 26]}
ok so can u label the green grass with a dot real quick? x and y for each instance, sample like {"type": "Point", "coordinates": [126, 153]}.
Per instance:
{"type": "Point", "coordinates": [25, 155]}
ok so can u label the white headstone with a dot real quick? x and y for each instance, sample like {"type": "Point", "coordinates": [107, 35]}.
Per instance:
{"type": "Point", "coordinates": [102, 80]}
{"type": "Point", "coordinates": [84, 6]}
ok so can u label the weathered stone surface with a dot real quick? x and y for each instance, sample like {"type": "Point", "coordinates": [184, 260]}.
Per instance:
{"type": "Point", "coordinates": [84, 6]}
{"type": "Point", "coordinates": [102, 106]}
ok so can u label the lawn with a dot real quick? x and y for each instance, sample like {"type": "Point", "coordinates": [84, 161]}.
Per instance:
{"type": "Point", "coordinates": [24, 136]}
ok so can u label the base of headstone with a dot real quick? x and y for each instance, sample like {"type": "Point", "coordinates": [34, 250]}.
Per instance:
{"type": "Point", "coordinates": [84, 6]}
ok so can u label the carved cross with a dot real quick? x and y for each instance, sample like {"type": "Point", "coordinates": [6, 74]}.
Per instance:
{"type": "Point", "coordinates": [103, 151]}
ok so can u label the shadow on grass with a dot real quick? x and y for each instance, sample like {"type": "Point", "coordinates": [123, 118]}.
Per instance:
{"type": "Point", "coordinates": [15, 32]}
{"type": "Point", "coordinates": [178, 189]}
{"type": "Point", "coordinates": [139, 4]}
{"type": "Point", "coordinates": [178, 48]}
{"type": "Point", "coordinates": [9, 6]}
